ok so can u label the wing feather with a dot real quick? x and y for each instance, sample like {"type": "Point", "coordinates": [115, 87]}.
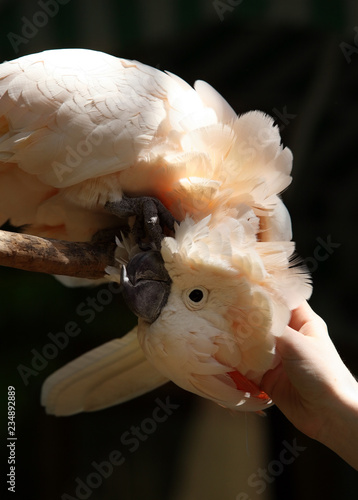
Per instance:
{"type": "Point", "coordinates": [108, 375]}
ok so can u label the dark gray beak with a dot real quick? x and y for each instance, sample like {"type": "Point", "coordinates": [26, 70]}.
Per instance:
{"type": "Point", "coordinates": [146, 284]}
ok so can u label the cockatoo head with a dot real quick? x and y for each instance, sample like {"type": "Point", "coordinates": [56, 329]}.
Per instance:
{"type": "Point", "coordinates": [211, 304]}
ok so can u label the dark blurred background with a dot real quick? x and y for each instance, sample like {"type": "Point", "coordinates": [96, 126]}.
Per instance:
{"type": "Point", "coordinates": [297, 61]}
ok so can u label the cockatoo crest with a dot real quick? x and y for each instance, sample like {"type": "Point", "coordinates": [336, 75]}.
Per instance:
{"type": "Point", "coordinates": [226, 164]}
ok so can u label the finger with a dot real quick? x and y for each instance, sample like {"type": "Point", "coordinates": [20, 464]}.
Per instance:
{"type": "Point", "coordinates": [271, 378]}
{"type": "Point", "coordinates": [290, 344]}
{"type": "Point", "coordinates": [301, 315]}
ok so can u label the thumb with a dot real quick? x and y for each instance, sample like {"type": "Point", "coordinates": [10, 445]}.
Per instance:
{"type": "Point", "coordinates": [289, 345]}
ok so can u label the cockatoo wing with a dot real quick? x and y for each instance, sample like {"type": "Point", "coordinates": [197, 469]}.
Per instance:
{"type": "Point", "coordinates": [108, 375]}
{"type": "Point", "coordinates": [87, 112]}
{"type": "Point", "coordinates": [78, 128]}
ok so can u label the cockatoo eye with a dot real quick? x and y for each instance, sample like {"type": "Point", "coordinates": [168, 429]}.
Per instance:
{"type": "Point", "coordinates": [195, 298]}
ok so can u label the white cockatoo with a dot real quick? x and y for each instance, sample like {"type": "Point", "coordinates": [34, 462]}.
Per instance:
{"type": "Point", "coordinates": [86, 137]}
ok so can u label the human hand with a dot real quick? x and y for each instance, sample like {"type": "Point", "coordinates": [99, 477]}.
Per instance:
{"type": "Point", "coordinates": [313, 387]}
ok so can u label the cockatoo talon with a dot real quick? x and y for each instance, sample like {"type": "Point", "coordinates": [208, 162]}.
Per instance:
{"type": "Point", "coordinates": [151, 217]}
{"type": "Point", "coordinates": [110, 234]}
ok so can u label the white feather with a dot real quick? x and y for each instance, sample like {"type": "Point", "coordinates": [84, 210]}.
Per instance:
{"type": "Point", "coordinates": [108, 375]}
{"type": "Point", "coordinates": [214, 100]}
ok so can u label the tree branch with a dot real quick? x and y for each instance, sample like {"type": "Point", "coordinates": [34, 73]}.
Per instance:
{"type": "Point", "coordinates": [31, 253]}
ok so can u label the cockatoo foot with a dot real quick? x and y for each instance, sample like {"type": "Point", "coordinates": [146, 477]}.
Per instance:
{"type": "Point", "coordinates": [151, 217]}
{"type": "Point", "coordinates": [109, 234]}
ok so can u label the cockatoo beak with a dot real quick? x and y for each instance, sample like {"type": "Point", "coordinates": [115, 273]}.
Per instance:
{"type": "Point", "coordinates": [146, 284]}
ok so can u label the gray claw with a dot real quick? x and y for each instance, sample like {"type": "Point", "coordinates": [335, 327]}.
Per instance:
{"type": "Point", "coordinates": [151, 217]}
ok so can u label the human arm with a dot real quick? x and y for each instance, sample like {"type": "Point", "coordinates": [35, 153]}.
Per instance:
{"type": "Point", "coordinates": [313, 387]}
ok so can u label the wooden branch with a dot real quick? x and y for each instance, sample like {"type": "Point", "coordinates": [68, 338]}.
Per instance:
{"type": "Point", "coordinates": [31, 253]}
